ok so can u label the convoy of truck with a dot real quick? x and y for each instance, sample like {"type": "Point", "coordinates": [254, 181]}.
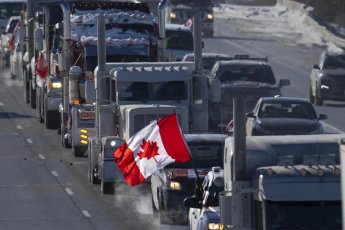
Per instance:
{"type": "Point", "coordinates": [94, 71]}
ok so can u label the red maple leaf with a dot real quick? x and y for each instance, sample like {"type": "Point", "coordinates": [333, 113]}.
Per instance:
{"type": "Point", "coordinates": [148, 150]}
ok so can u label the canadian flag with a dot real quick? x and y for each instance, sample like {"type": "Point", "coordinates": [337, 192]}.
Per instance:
{"type": "Point", "coordinates": [155, 146]}
{"type": "Point", "coordinates": [41, 66]}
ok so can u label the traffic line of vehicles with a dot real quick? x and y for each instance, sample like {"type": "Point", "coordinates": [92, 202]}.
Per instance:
{"type": "Point", "coordinates": [98, 80]}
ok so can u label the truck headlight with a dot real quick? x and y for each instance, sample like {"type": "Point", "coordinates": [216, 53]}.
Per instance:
{"type": "Point", "coordinates": [55, 85]}
{"type": "Point", "coordinates": [210, 16]}
{"type": "Point", "coordinates": [213, 226]}
{"type": "Point", "coordinates": [174, 185]}
{"type": "Point", "coordinates": [172, 15]}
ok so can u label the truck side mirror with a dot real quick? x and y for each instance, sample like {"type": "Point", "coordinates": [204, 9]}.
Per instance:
{"type": "Point", "coordinates": [192, 202]}
{"type": "Point", "coordinates": [316, 66]}
{"type": "Point", "coordinates": [284, 82]}
{"type": "Point", "coordinates": [251, 114]}
{"type": "Point", "coordinates": [323, 116]}
{"type": "Point", "coordinates": [215, 90]}
{"type": "Point", "coordinates": [38, 39]}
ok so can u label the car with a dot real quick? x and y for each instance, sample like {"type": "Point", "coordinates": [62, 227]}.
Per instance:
{"type": "Point", "coordinates": [284, 116]}
{"type": "Point", "coordinates": [327, 80]}
{"type": "Point", "coordinates": [252, 76]}
{"type": "Point", "coordinates": [172, 184]}
{"type": "Point", "coordinates": [179, 41]}
{"type": "Point", "coordinates": [204, 213]}
{"type": "Point", "coordinates": [208, 59]}
{"type": "Point", "coordinates": [6, 37]}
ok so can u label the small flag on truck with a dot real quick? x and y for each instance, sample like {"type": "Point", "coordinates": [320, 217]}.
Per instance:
{"type": "Point", "coordinates": [152, 148]}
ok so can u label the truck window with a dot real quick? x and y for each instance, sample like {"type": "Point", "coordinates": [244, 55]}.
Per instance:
{"type": "Point", "coordinates": [237, 72]}
{"type": "Point", "coordinates": [179, 40]}
{"type": "Point", "coordinates": [306, 215]}
{"type": "Point", "coordinates": [9, 9]}
{"type": "Point", "coordinates": [175, 90]}
{"type": "Point", "coordinates": [204, 154]}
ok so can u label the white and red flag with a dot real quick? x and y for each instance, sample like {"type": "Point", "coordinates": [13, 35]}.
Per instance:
{"type": "Point", "coordinates": [155, 146]}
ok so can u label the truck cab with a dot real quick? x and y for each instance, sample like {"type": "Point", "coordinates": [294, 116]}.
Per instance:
{"type": "Point", "coordinates": [182, 12]}
{"type": "Point", "coordinates": [290, 182]}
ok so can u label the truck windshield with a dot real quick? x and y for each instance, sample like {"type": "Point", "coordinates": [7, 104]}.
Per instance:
{"type": "Point", "coordinates": [9, 9]}
{"type": "Point", "coordinates": [179, 40]}
{"type": "Point", "coordinates": [91, 62]}
{"type": "Point", "coordinates": [238, 72]}
{"type": "Point", "coordinates": [204, 154]}
{"type": "Point", "coordinates": [304, 215]}
{"type": "Point", "coordinates": [334, 62]}
{"type": "Point", "coordinates": [153, 91]}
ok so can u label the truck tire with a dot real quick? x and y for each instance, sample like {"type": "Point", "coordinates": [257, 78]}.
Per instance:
{"type": "Point", "coordinates": [107, 187]}
{"type": "Point", "coordinates": [26, 88]}
{"type": "Point", "coordinates": [38, 107]}
{"type": "Point", "coordinates": [32, 96]}
{"type": "Point", "coordinates": [164, 217]}
{"type": "Point", "coordinates": [77, 151]}
{"type": "Point", "coordinates": [311, 96]}
{"type": "Point", "coordinates": [154, 210]}
{"type": "Point", "coordinates": [51, 118]}
{"type": "Point", "coordinates": [318, 99]}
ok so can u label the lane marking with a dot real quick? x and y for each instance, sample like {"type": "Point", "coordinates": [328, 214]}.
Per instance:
{"type": "Point", "coordinates": [41, 156]}
{"type": "Point", "coordinates": [29, 141]}
{"type": "Point", "coordinates": [54, 173]}
{"type": "Point", "coordinates": [19, 127]}
{"type": "Point", "coordinates": [86, 213]}
{"type": "Point", "coordinates": [69, 192]}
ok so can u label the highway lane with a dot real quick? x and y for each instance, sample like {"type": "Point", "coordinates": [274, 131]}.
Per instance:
{"type": "Point", "coordinates": [287, 58]}
{"type": "Point", "coordinates": [44, 187]}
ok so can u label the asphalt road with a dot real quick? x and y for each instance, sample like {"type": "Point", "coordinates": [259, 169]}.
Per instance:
{"type": "Point", "coordinates": [44, 187]}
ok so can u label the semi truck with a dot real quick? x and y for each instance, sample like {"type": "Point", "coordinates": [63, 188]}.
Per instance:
{"type": "Point", "coordinates": [182, 12]}
{"type": "Point", "coordinates": [287, 182]}
{"type": "Point", "coordinates": [131, 36]}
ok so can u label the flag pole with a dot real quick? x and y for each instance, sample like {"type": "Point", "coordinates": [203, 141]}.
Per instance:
{"type": "Point", "coordinates": [198, 188]}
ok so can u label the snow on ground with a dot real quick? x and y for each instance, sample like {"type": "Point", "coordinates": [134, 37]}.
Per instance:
{"type": "Point", "coordinates": [276, 20]}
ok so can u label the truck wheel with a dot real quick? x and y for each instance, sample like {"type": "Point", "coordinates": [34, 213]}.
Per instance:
{"type": "Point", "coordinates": [77, 151]}
{"type": "Point", "coordinates": [92, 174]}
{"type": "Point", "coordinates": [318, 99]}
{"type": "Point", "coordinates": [154, 210]}
{"type": "Point", "coordinates": [26, 88]}
{"type": "Point", "coordinates": [38, 107]}
{"type": "Point", "coordinates": [164, 217]}
{"type": "Point", "coordinates": [311, 96]}
{"type": "Point", "coordinates": [32, 94]}
{"type": "Point", "coordinates": [107, 187]}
